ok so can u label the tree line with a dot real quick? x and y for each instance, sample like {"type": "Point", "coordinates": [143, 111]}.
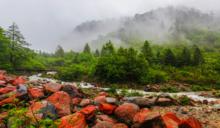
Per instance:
{"type": "Point", "coordinates": [151, 63]}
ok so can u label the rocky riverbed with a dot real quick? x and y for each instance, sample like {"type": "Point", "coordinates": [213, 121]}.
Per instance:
{"type": "Point", "coordinates": [71, 105]}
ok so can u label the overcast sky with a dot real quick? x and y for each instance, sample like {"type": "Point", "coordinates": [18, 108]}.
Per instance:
{"type": "Point", "coordinates": [44, 22]}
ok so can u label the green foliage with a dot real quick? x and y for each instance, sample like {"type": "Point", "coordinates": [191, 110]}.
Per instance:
{"type": "Point", "coordinates": [47, 123]}
{"type": "Point", "coordinates": [185, 58]}
{"type": "Point", "coordinates": [169, 58]}
{"type": "Point", "coordinates": [73, 72]}
{"type": "Point", "coordinates": [147, 51]}
{"type": "Point", "coordinates": [128, 93]}
{"type": "Point", "coordinates": [87, 49]}
{"type": "Point", "coordinates": [59, 51]}
{"type": "Point", "coordinates": [126, 65]}
{"type": "Point", "coordinates": [169, 89]}
{"type": "Point", "coordinates": [107, 49]}
{"type": "Point", "coordinates": [157, 76]}
{"type": "Point", "coordinates": [97, 54]}
{"type": "Point", "coordinates": [197, 56]}
{"type": "Point", "coordinates": [17, 45]}
{"type": "Point", "coordinates": [184, 100]}
{"type": "Point", "coordinates": [178, 60]}
{"type": "Point", "coordinates": [17, 118]}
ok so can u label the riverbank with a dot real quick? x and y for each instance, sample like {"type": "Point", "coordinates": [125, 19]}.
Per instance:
{"type": "Point", "coordinates": [44, 102]}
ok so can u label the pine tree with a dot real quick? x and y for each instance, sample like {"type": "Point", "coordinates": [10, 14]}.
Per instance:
{"type": "Point", "coordinates": [4, 50]}
{"type": "Point", "coordinates": [18, 50]}
{"type": "Point", "coordinates": [97, 53]}
{"type": "Point", "coordinates": [158, 57]}
{"type": "Point", "coordinates": [59, 51]}
{"type": "Point", "coordinates": [147, 51]}
{"type": "Point", "coordinates": [185, 58]}
{"type": "Point", "coordinates": [87, 49]}
{"type": "Point", "coordinates": [169, 58]}
{"type": "Point", "coordinates": [197, 56]}
{"type": "Point", "coordinates": [107, 49]}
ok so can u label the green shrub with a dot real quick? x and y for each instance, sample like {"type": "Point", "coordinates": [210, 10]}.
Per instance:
{"type": "Point", "coordinates": [73, 72]}
{"type": "Point", "coordinates": [184, 100]}
{"type": "Point", "coordinates": [125, 66]}
{"type": "Point", "coordinates": [171, 89]}
{"type": "Point", "coordinates": [157, 76]}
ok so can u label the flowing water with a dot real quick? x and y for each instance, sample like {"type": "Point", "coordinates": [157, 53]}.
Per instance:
{"type": "Point", "coordinates": [196, 96]}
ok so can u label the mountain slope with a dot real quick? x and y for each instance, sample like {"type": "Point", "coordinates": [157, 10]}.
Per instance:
{"type": "Point", "coordinates": [160, 25]}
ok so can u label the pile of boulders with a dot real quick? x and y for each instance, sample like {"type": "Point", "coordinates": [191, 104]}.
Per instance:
{"type": "Point", "coordinates": [74, 109]}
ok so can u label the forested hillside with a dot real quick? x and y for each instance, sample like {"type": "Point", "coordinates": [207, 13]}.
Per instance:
{"type": "Point", "coordinates": [193, 63]}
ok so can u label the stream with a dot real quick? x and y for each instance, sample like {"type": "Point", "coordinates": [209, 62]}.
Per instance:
{"type": "Point", "coordinates": [196, 96]}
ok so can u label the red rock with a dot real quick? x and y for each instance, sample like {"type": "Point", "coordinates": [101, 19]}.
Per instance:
{"type": "Point", "coordinates": [126, 111]}
{"type": "Point", "coordinates": [103, 94]}
{"type": "Point", "coordinates": [52, 87]}
{"type": "Point", "coordinates": [9, 100]}
{"type": "Point", "coordinates": [2, 82]}
{"type": "Point", "coordinates": [76, 101]}
{"type": "Point", "coordinates": [152, 120]}
{"type": "Point", "coordinates": [171, 120]}
{"type": "Point", "coordinates": [61, 100]}
{"type": "Point", "coordinates": [141, 115]}
{"type": "Point", "coordinates": [18, 80]}
{"type": "Point", "coordinates": [105, 118]}
{"type": "Point", "coordinates": [107, 108]}
{"type": "Point", "coordinates": [103, 124]}
{"type": "Point", "coordinates": [85, 102]}
{"type": "Point", "coordinates": [40, 110]}
{"type": "Point", "coordinates": [73, 91]}
{"type": "Point", "coordinates": [100, 99]}
{"type": "Point", "coordinates": [7, 89]}
{"type": "Point", "coordinates": [2, 76]}
{"type": "Point", "coordinates": [36, 92]}
{"type": "Point", "coordinates": [89, 111]}
{"type": "Point", "coordinates": [164, 101]}
{"type": "Point", "coordinates": [76, 120]}
{"type": "Point", "coordinates": [120, 125]}
{"type": "Point", "coordinates": [190, 123]}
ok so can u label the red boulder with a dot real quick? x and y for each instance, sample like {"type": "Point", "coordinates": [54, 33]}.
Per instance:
{"type": "Point", "coordinates": [73, 91]}
{"type": "Point", "coordinates": [100, 99]}
{"type": "Point", "coordinates": [40, 110]}
{"type": "Point", "coordinates": [190, 123]}
{"type": "Point", "coordinates": [61, 100]}
{"type": "Point", "coordinates": [107, 108]}
{"type": "Point", "coordinates": [18, 80]}
{"type": "Point", "coordinates": [105, 118]}
{"type": "Point", "coordinates": [89, 111]}
{"type": "Point", "coordinates": [171, 120]}
{"type": "Point", "coordinates": [7, 89]}
{"type": "Point", "coordinates": [36, 92]}
{"type": "Point", "coordinates": [85, 102]}
{"type": "Point", "coordinates": [120, 125]}
{"type": "Point", "coordinates": [2, 75]}
{"type": "Point", "coordinates": [141, 115]}
{"type": "Point", "coordinates": [76, 120]}
{"type": "Point", "coordinates": [103, 94]}
{"type": "Point", "coordinates": [152, 120]}
{"type": "Point", "coordinates": [126, 111]}
{"type": "Point", "coordinates": [52, 87]}
{"type": "Point", "coordinates": [2, 82]}
{"type": "Point", "coordinates": [76, 101]}
{"type": "Point", "coordinates": [103, 124]}
{"type": "Point", "coordinates": [9, 100]}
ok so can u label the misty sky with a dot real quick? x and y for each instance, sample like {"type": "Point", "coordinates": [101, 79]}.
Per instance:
{"type": "Point", "coordinates": [45, 22]}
